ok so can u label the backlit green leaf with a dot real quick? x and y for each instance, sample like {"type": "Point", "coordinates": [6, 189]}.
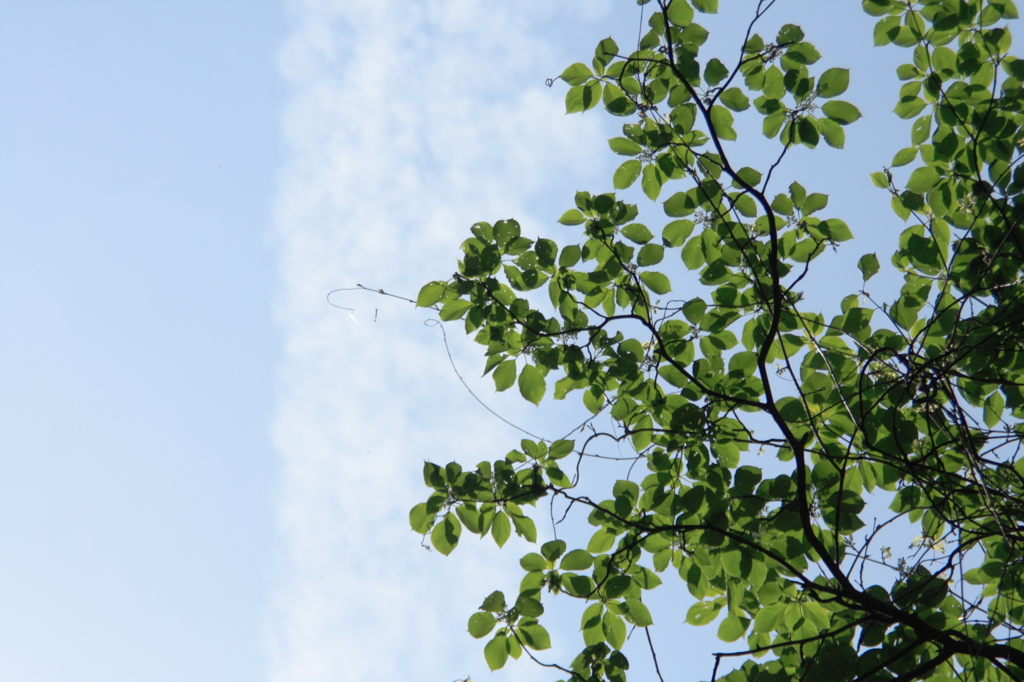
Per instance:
{"type": "Point", "coordinates": [657, 282]}
{"type": "Point", "coordinates": [614, 630]}
{"type": "Point", "coordinates": [627, 174]}
{"type": "Point", "coordinates": [572, 217]}
{"type": "Point", "coordinates": [496, 652]}
{"type": "Point", "coordinates": [833, 82]}
{"type": "Point", "coordinates": [680, 13]}
{"type": "Point", "coordinates": [715, 72]}
{"type": "Point", "coordinates": [923, 179]}
{"type": "Point", "coordinates": [841, 112]}
{"type": "Point", "coordinates": [903, 157]}
{"type": "Point", "coordinates": [650, 254]}
{"type": "Point", "coordinates": [638, 613]}
{"type": "Point", "coordinates": [430, 294]}
{"type": "Point", "coordinates": [501, 528]}
{"type": "Point", "coordinates": [576, 560]}
{"type": "Point", "coordinates": [445, 535]}
{"type": "Point", "coordinates": [637, 233]}
{"type": "Point", "coordinates": [577, 74]}
{"type": "Point", "coordinates": [624, 146]}
{"type": "Point", "coordinates": [535, 636]}
{"type": "Point", "coordinates": [734, 99]}
{"type": "Point", "coordinates": [732, 628]}
{"type": "Point", "coordinates": [481, 624]}
{"type": "Point", "coordinates": [505, 375]}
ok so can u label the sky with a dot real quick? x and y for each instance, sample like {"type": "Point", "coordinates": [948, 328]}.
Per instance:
{"type": "Point", "coordinates": [205, 468]}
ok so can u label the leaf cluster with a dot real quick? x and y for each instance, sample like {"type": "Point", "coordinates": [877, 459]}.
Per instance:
{"type": "Point", "coordinates": [917, 399]}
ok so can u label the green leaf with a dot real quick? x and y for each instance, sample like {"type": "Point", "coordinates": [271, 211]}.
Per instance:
{"type": "Point", "coordinates": [705, 6]}
{"type": "Point", "coordinates": [919, 131]}
{"type": "Point", "coordinates": [746, 206]}
{"type": "Point", "coordinates": [651, 181]}
{"type": "Point", "coordinates": [535, 636]}
{"type": "Point", "coordinates": [993, 410]}
{"type": "Point", "coordinates": [494, 603]}
{"type": "Point", "coordinates": [693, 253]}
{"type": "Point", "coordinates": [505, 375]}
{"type": "Point", "coordinates": [528, 606]}
{"type": "Point", "coordinates": [703, 613]}
{"type": "Point", "coordinates": [680, 13]}
{"type": "Point", "coordinates": [715, 72]}
{"type": "Point", "coordinates": [976, 576]}
{"type": "Point", "coordinates": [481, 624]}
{"type": "Point", "coordinates": [836, 229]}
{"type": "Point", "coordinates": [577, 74]}
{"type": "Point", "coordinates": [923, 179]}
{"type": "Point", "coordinates": [561, 448]}
{"type": "Point", "coordinates": [420, 518]}
{"type": "Point", "coordinates": [789, 33]}
{"type": "Point", "coordinates": [833, 133]}
{"type": "Point", "coordinates": [807, 132]}
{"type": "Point", "coordinates": [768, 617]}
{"type": "Point", "coordinates": [572, 217]}
{"type": "Point", "coordinates": [532, 384]}
{"type": "Point", "coordinates": [899, 209]}
{"type": "Point", "coordinates": [876, 8]}
{"type": "Point", "coordinates": [569, 256]}
{"type": "Point", "coordinates": [638, 613]}
{"type": "Point", "coordinates": [580, 98]}
{"type": "Point", "coordinates": [676, 232]}
{"type": "Point", "coordinates": [576, 560]}
{"type": "Point", "coordinates": [453, 310]}
{"type": "Point", "coordinates": [656, 282]}
{"type": "Point", "coordinates": [813, 203]}
{"type": "Point", "coordinates": [616, 102]}
{"type": "Point", "coordinates": [721, 122]}
{"type": "Point", "coordinates": [430, 294]}
{"type": "Point", "coordinates": [614, 630]}
{"type": "Point", "coordinates": [606, 50]}
{"type": "Point", "coordinates": [734, 99]}
{"type": "Point", "coordinates": [782, 204]}
{"type": "Point", "coordinates": [749, 176]}
{"type": "Point", "coordinates": [732, 628]}
{"type": "Point", "coordinates": [773, 124]}
{"type": "Point", "coordinates": [533, 562]}
{"type": "Point", "coordinates": [617, 586]}
{"type": "Point", "coordinates": [902, 158]}
{"type": "Point", "coordinates": [554, 548]}
{"type": "Point", "coordinates": [601, 541]}
{"type": "Point", "coordinates": [679, 204]}
{"type": "Point", "coordinates": [627, 174]}
{"type": "Point", "coordinates": [833, 82]}
{"type": "Point", "coordinates": [910, 107]}
{"type": "Point", "coordinates": [525, 527]}
{"type": "Point", "coordinates": [637, 233]}
{"type": "Point", "coordinates": [880, 179]}
{"type": "Point", "coordinates": [694, 310]}
{"type": "Point", "coordinates": [501, 528]}
{"type": "Point", "coordinates": [841, 112]}
{"type": "Point", "coordinates": [650, 254]}
{"type": "Point", "coordinates": [496, 652]}
{"type": "Point", "coordinates": [624, 146]}
{"type": "Point", "coordinates": [445, 535]}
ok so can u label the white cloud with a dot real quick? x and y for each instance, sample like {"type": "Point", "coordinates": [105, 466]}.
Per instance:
{"type": "Point", "coordinates": [407, 122]}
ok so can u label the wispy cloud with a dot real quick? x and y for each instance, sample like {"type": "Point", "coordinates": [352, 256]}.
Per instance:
{"type": "Point", "coordinates": [407, 122]}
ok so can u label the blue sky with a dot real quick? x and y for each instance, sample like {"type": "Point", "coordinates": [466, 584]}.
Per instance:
{"type": "Point", "coordinates": [205, 469]}
{"type": "Point", "coordinates": [140, 142]}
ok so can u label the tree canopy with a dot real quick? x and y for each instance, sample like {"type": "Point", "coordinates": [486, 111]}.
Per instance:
{"type": "Point", "coordinates": [908, 404]}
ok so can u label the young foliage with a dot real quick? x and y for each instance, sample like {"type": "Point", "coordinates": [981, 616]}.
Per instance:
{"type": "Point", "coordinates": [916, 399]}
